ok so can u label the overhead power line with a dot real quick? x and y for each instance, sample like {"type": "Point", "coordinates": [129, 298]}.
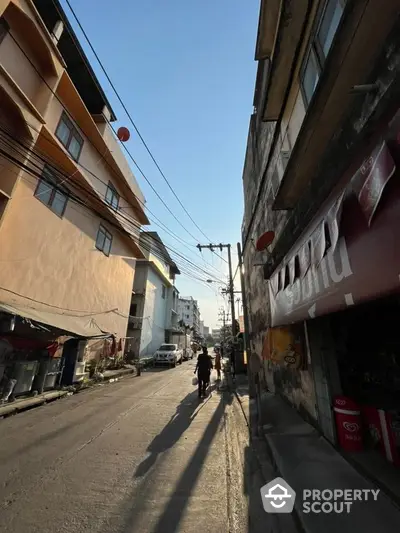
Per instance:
{"type": "Point", "coordinates": [95, 147]}
{"type": "Point", "coordinates": [38, 173]}
{"type": "Point", "coordinates": [137, 131]}
{"type": "Point", "coordinates": [160, 224]}
{"type": "Point", "coordinates": [130, 116]}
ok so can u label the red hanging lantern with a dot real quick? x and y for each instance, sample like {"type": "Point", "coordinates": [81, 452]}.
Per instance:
{"type": "Point", "coordinates": [123, 134]}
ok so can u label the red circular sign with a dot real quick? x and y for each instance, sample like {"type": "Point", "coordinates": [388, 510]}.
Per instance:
{"type": "Point", "coordinates": [265, 240]}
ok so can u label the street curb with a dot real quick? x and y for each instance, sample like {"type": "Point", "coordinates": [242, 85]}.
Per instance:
{"type": "Point", "coordinates": [266, 464]}
{"type": "Point", "coordinates": [12, 409]}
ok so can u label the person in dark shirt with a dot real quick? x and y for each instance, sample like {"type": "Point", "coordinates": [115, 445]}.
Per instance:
{"type": "Point", "coordinates": [203, 369]}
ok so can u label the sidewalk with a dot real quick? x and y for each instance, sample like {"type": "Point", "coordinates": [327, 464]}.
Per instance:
{"type": "Point", "coordinates": [307, 461]}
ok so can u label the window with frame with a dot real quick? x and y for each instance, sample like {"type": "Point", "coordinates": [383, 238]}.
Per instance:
{"type": "Point", "coordinates": [51, 193]}
{"type": "Point", "coordinates": [112, 197]}
{"type": "Point", "coordinates": [104, 240]}
{"type": "Point", "coordinates": [297, 268]}
{"type": "Point", "coordinates": [69, 137]}
{"type": "Point", "coordinates": [320, 46]}
{"type": "Point", "coordinates": [327, 235]}
{"type": "Point", "coordinates": [163, 291]}
{"type": "Point", "coordinates": [286, 277]}
{"type": "Point", "coordinates": [279, 281]}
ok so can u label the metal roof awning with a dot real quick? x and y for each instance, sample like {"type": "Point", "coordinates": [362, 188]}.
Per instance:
{"type": "Point", "coordinates": [83, 326]}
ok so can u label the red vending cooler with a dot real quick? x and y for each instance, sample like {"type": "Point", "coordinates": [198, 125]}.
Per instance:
{"type": "Point", "coordinates": [383, 429]}
{"type": "Point", "coordinates": [348, 424]}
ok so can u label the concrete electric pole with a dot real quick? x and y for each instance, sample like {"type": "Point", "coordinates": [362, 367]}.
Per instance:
{"type": "Point", "coordinates": [231, 291]}
{"type": "Point", "coordinates": [246, 321]}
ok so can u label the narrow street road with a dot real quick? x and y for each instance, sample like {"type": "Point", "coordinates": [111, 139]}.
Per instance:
{"type": "Point", "coordinates": [141, 455]}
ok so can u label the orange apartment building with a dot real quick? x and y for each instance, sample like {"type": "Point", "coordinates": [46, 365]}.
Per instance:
{"type": "Point", "coordinates": [70, 207]}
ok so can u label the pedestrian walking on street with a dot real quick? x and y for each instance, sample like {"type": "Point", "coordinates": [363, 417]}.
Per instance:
{"type": "Point", "coordinates": [203, 369]}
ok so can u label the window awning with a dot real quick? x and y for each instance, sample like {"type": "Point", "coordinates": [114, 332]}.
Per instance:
{"type": "Point", "coordinates": [349, 254]}
{"type": "Point", "coordinates": [83, 326]}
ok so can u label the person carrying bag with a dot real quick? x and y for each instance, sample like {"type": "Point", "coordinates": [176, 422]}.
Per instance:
{"type": "Point", "coordinates": [203, 369]}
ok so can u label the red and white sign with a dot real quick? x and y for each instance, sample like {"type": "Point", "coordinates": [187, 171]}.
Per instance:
{"type": "Point", "coordinates": [350, 253]}
{"type": "Point", "coordinates": [348, 424]}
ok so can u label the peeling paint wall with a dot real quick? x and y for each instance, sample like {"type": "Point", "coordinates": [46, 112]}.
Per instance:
{"type": "Point", "coordinates": [261, 176]}
{"type": "Point", "coordinates": [265, 219]}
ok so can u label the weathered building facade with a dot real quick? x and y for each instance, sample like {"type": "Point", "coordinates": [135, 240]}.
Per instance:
{"type": "Point", "coordinates": [70, 207]}
{"type": "Point", "coordinates": [189, 312]}
{"type": "Point", "coordinates": [320, 172]}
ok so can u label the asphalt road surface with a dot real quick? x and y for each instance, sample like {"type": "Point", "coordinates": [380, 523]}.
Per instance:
{"type": "Point", "coordinates": [139, 455]}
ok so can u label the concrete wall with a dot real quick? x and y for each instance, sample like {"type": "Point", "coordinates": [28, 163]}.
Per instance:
{"type": "Point", "coordinates": [55, 260]}
{"type": "Point", "coordinates": [13, 59]}
{"type": "Point", "coordinates": [123, 164]}
{"type": "Point", "coordinates": [332, 144]}
{"type": "Point", "coordinates": [171, 318]}
{"type": "Point", "coordinates": [265, 145]}
{"type": "Point", "coordinates": [139, 285]}
{"type": "Point", "coordinates": [92, 166]}
{"type": "Point", "coordinates": [154, 313]}
{"type": "Point", "coordinates": [265, 219]}
{"type": "Point", "coordinates": [44, 257]}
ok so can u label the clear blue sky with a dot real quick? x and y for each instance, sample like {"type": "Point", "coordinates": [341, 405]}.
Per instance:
{"type": "Point", "coordinates": [185, 69]}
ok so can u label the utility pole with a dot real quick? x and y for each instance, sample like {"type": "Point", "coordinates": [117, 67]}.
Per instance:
{"type": "Point", "coordinates": [245, 318]}
{"type": "Point", "coordinates": [230, 286]}
{"type": "Point", "coordinates": [238, 302]}
{"type": "Point", "coordinates": [231, 295]}
{"type": "Point", "coordinates": [223, 318]}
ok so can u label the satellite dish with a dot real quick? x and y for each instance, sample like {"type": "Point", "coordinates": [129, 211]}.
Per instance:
{"type": "Point", "coordinates": [265, 240]}
{"type": "Point", "coordinates": [123, 134]}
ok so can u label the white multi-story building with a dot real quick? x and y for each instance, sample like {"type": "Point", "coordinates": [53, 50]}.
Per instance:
{"type": "Point", "coordinates": [216, 334]}
{"type": "Point", "coordinates": [153, 314]}
{"type": "Point", "coordinates": [189, 312]}
{"type": "Point", "coordinates": [204, 330]}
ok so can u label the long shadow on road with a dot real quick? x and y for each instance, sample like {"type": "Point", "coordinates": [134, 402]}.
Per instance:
{"type": "Point", "coordinates": [171, 433]}
{"type": "Point", "coordinates": [172, 514]}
